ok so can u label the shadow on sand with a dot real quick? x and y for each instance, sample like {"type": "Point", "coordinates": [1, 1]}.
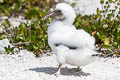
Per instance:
{"type": "Point", "coordinates": [64, 71]}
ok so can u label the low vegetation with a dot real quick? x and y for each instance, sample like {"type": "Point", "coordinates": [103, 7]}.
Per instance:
{"type": "Point", "coordinates": [104, 25]}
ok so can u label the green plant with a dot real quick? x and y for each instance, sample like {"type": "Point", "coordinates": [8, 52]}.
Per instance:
{"type": "Point", "coordinates": [9, 49]}
{"type": "Point", "coordinates": [104, 25]}
{"type": "Point", "coordinates": [31, 36]}
{"type": "Point", "coordinates": [28, 8]}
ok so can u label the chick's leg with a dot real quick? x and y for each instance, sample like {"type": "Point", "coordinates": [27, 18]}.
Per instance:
{"type": "Point", "coordinates": [58, 70]}
{"type": "Point", "coordinates": [78, 69]}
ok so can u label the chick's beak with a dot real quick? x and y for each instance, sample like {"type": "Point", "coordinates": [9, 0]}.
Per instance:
{"type": "Point", "coordinates": [53, 14]}
{"type": "Point", "coordinates": [50, 15]}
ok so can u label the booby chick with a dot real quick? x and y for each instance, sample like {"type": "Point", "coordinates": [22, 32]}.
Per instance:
{"type": "Point", "coordinates": [71, 46]}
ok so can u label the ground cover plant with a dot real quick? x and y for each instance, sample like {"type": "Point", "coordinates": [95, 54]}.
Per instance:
{"type": "Point", "coordinates": [104, 25]}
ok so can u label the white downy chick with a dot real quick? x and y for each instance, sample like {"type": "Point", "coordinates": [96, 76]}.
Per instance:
{"type": "Point", "coordinates": [70, 45]}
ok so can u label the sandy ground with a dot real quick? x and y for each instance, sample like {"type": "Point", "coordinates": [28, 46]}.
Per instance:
{"type": "Point", "coordinates": [25, 66]}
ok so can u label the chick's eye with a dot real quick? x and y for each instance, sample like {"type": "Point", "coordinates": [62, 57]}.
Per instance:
{"type": "Point", "coordinates": [59, 11]}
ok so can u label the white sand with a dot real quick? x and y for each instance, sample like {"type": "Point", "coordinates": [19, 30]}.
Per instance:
{"type": "Point", "coordinates": [25, 66]}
